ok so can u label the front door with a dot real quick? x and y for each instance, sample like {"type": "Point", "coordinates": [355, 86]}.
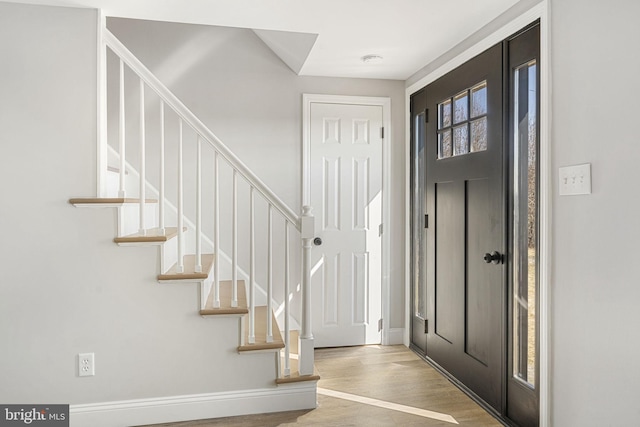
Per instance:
{"type": "Point", "coordinates": [465, 224]}
{"type": "Point", "coordinates": [345, 179]}
{"type": "Point", "coordinates": [475, 186]}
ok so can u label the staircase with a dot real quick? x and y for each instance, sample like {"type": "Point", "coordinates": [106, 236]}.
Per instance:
{"type": "Point", "coordinates": [177, 187]}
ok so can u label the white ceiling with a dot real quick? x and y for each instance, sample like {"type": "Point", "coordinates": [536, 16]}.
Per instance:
{"type": "Point", "coordinates": [408, 34]}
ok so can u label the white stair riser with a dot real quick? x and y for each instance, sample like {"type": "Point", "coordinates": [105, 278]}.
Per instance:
{"type": "Point", "coordinates": [129, 218]}
{"type": "Point", "coordinates": [205, 290]}
{"type": "Point", "coordinates": [168, 254]}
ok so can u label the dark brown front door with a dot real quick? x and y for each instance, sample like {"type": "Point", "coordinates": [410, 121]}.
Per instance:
{"type": "Point", "coordinates": [465, 235]}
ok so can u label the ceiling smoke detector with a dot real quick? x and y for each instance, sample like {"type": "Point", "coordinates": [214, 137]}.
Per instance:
{"type": "Point", "coordinates": [371, 59]}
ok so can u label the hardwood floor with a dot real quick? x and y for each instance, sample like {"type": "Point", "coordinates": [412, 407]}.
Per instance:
{"type": "Point", "coordinates": [378, 386]}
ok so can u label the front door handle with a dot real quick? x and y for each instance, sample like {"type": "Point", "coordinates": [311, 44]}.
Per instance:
{"type": "Point", "coordinates": [493, 257]}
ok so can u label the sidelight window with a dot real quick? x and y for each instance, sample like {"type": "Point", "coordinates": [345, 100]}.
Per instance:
{"type": "Point", "coordinates": [525, 220]}
{"type": "Point", "coordinates": [418, 209]}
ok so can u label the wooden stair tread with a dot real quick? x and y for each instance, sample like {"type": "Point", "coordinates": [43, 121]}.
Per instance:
{"type": "Point", "coordinates": [107, 201]}
{"type": "Point", "coordinates": [189, 269]}
{"type": "Point", "coordinates": [151, 235]}
{"type": "Point", "coordinates": [226, 293]}
{"type": "Point", "coordinates": [261, 333]}
{"type": "Point", "coordinates": [295, 376]}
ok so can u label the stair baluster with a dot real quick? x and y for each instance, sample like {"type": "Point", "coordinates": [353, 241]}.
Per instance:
{"type": "Point", "coordinates": [287, 285]}
{"type": "Point", "coordinates": [161, 213]}
{"type": "Point", "coordinates": [270, 275]}
{"type": "Point", "coordinates": [122, 136]}
{"type": "Point", "coordinates": [216, 231]}
{"type": "Point", "coordinates": [143, 163]}
{"type": "Point", "coordinates": [234, 243]}
{"type": "Point", "coordinates": [180, 264]}
{"type": "Point", "coordinates": [252, 268]}
{"type": "Point", "coordinates": [198, 267]}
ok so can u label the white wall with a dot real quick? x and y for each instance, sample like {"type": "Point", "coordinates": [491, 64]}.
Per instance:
{"type": "Point", "coordinates": [596, 286]}
{"type": "Point", "coordinates": [66, 288]}
{"type": "Point", "coordinates": [253, 102]}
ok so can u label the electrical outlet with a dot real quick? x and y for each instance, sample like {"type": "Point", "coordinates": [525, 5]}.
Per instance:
{"type": "Point", "coordinates": [86, 365]}
{"type": "Point", "coordinates": [574, 180]}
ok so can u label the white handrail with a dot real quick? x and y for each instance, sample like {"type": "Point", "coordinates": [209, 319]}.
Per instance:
{"type": "Point", "coordinates": [190, 119]}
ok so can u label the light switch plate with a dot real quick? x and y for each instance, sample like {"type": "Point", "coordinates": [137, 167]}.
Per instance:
{"type": "Point", "coordinates": [575, 180]}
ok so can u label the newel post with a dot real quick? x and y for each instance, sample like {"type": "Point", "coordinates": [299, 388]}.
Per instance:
{"type": "Point", "coordinates": [305, 341]}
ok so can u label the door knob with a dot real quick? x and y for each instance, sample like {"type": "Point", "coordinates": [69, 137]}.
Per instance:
{"type": "Point", "coordinates": [493, 257]}
{"type": "Point", "coordinates": [317, 241]}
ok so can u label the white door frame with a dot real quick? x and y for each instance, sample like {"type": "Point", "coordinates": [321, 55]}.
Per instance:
{"type": "Point", "coordinates": [385, 103]}
{"type": "Point", "coordinates": [538, 11]}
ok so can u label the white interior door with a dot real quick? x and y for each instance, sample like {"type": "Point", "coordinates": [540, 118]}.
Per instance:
{"type": "Point", "coordinates": [345, 179]}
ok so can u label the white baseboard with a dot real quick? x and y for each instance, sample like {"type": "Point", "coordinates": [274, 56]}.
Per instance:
{"type": "Point", "coordinates": [194, 407]}
{"type": "Point", "coordinates": [395, 336]}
